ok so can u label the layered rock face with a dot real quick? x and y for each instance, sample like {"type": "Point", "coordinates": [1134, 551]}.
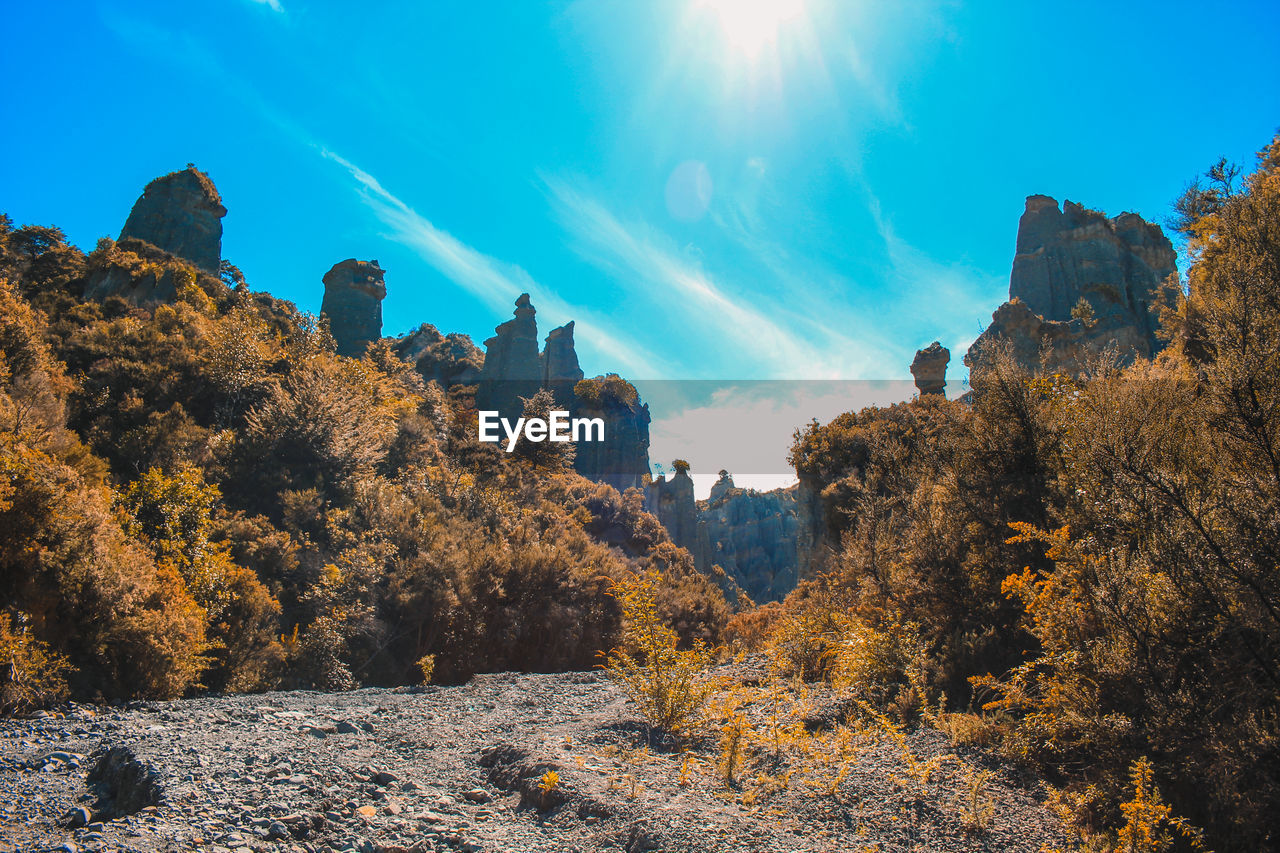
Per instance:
{"type": "Point", "coordinates": [1080, 283]}
{"type": "Point", "coordinates": [672, 502]}
{"type": "Point", "coordinates": [930, 368]}
{"type": "Point", "coordinates": [180, 213]}
{"type": "Point", "coordinates": [560, 370]}
{"type": "Point", "coordinates": [353, 294]}
{"type": "Point", "coordinates": [447, 359]}
{"type": "Point", "coordinates": [172, 238]}
{"type": "Point", "coordinates": [751, 535]}
{"type": "Point", "coordinates": [622, 459]}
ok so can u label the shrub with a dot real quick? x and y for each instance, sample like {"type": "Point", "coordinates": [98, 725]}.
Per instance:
{"type": "Point", "coordinates": [670, 686]}
{"type": "Point", "coordinates": [32, 676]}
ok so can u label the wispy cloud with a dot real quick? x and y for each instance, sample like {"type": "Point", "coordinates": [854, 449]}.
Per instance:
{"type": "Point", "coordinates": [953, 299]}
{"type": "Point", "coordinates": [758, 332]}
{"type": "Point", "coordinates": [273, 5]}
{"type": "Point", "coordinates": [494, 282]}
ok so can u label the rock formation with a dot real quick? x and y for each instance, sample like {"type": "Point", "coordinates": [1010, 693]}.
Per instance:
{"type": "Point", "coordinates": [753, 537]}
{"type": "Point", "coordinates": [672, 502]}
{"type": "Point", "coordinates": [930, 368]}
{"type": "Point", "coordinates": [172, 238]}
{"type": "Point", "coordinates": [622, 459]}
{"type": "Point", "coordinates": [1080, 283]}
{"type": "Point", "coordinates": [353, 294]}
{"type": "Point", "coordinates": [448, 359]}
{"type": "Point", "coordinates": [560, 370]}
{"type": "Point", "coordinates": [180, 213]}
{"type": "Point", "coordinates": [512, 367]}
{"type": "Point", "coordinates": [750, 535]}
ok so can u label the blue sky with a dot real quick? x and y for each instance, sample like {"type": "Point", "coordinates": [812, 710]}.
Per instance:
{"type": "Point", "coordinates": [740, 189]}
{"type": "Point", "coordinates": [713, 189]}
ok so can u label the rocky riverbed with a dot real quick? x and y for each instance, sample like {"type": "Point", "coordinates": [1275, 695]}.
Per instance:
{"type": "Point", "coordinates": [466, 769]}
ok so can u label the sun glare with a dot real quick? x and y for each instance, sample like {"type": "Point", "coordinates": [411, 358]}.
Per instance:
{"type": "Point", "coordinates": [749, 26]}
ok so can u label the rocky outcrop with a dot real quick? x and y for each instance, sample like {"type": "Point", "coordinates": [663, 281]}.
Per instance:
{"type": "Point", "coordinates": [1081, 283]}
{"type": "Point", "coordinates": [560, 370]}
{"type": "Point", "coordinates": [1053, 346]}
{"type": "Point", "coordinates": [750, 535]}
{"type": "Point", "coordinates": [930, 368]}
{"type": "Point", "coordinates": [142, 275]}
{"type": "Point", "coordinates": [622, 459]}
{"type": "Point", "coordinates": [672, 502]}
{"type": "Point", "coordinates": [512, 367]}
{"type": "Point", "coordinates": [180, 213]}
{"type": "Point", "coordinates": [753, 537]}
{"type": "Point", "coordinates": [447, 359]}
{"type": "Point", "coordinates": [353, 294]}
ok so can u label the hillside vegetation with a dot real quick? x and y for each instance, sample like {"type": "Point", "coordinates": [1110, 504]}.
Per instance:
{"type": "Point", "coordinates": [204, 496]}
{"type": "Point", "coordinates": [1082, 571]}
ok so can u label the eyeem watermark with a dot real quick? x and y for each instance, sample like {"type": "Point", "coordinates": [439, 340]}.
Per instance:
{"type": "Point", "coordinates": [558, 427]}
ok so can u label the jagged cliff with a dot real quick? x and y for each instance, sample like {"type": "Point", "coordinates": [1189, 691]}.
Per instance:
{"type": "Point", "coordinates": [1081, 282]}
{"type": "Point", "coordinates": [753, 536]}
{"type": "Point", "coordinates": [512, 366]}
{"type": "Point", "coordinates": [750, 535]}
{"type": "Point", "coordinates": [353, 294]}
{"type": "Point", "coordinates": [622, 459]}
{"type": "Point", "coordinates": [559, 360]}
{"type": "Point", "coordinates": [673, 503]}
{"type": "Point", "coordinates": [514, 369]}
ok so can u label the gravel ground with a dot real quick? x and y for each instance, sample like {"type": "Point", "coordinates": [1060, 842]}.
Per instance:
{"type": "Point", "coordinates": [459, 769]}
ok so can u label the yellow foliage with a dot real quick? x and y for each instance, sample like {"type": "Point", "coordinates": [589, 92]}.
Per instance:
{"type": "Point", "coordinates": [31, 675]}
{"type": "Point", "coordinates": [1150, 825]}
{"type": "Point", "coordinates": [671, 686]}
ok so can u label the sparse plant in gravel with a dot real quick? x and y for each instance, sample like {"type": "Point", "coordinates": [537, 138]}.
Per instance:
{"type": "Point", "coordinates": [828, 759]}
{"type": "Point", "coordinates": [733, 747]}
{"type": "Point", "coordinates": [670, 685]}
{"type": "Point", "coordinates": [976, 807]}
{"type": "Point", "coordinates": [427, 666]}
{"type": "Point", "coordinates": [547, 784]}
{"type": "Point", "coordinates": [685, 779]}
